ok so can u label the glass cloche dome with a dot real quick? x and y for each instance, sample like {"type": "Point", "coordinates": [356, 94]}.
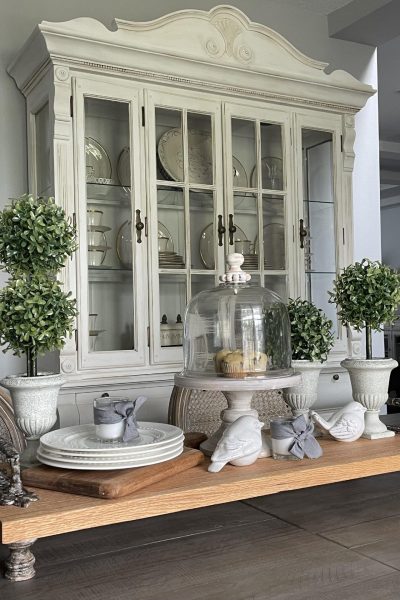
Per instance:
{"type": "Point", "coordinates": [237, 330]}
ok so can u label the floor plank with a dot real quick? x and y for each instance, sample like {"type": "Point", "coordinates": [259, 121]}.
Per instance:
{"type": "Point", "coordinates": [253, 561]}
{"type": "Point", "coordinates": [337, 505]}
{"type": "Point", "coordinates": [379, 540]}
{"type": "Point", "coordinates": [380, 588]}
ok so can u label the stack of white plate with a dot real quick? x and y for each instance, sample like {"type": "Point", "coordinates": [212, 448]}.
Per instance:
{"type": "Point", "coordinates": [250, 262]}
{"type": "Point", "coordinates": [170, 260]}
{"type": "Point", "coordinates": [78, 448]}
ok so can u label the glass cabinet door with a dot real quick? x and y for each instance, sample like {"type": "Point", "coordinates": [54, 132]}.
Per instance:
{"type": "Point", "coordinates": [256, 181]}
{"type": "Point", "coordinates": [111, 311]}
{"type": "Point", "coordinates": [185, 203]}
{"type": "Point", "coordinates": [321, 248]}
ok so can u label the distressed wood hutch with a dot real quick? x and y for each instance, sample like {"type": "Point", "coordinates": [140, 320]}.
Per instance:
{"type": "Point", "coordinates": [170, 143]}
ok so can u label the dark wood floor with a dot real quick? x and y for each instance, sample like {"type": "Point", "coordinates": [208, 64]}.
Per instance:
{"type": "Point", "coordinates": [337, 542]}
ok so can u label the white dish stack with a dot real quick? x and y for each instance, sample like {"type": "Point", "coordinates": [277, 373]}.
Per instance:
{"type": "Point", "coordinates": [78, 448]}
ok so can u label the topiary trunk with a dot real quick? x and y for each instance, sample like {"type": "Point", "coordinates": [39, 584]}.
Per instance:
{"type": "Point", "coordinates": [31, 364]}
{"type": "Point", "coordinates": [368, 342]}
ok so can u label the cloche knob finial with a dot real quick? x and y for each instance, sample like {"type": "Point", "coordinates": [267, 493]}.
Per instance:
{"type": "Point", "coordinates": [235, 273]}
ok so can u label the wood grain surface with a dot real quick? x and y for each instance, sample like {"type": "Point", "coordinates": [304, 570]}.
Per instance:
{"type": "Point", "coordinates": [109, 484]}
{"type": "Point", "coordinates": [230, 551]}
{"type": "Point", "coordinates": [256, 561]}
{"type": "Point", "coordinates": [57, 512]}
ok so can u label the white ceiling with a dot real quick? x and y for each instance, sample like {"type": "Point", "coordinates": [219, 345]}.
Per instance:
{"type": "Point", "coordinates": [323, 7]}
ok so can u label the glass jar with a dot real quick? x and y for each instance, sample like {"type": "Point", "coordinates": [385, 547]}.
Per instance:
{"type": "Point", "coordinates": [237, 330]}
{"type": "Point", "coordinates": [109, 426]}
{"type": "Point", "coordinates": [280, 444]}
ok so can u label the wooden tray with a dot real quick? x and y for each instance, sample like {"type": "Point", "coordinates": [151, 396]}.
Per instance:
{"type": "Point", "coordinates": [108, 484]}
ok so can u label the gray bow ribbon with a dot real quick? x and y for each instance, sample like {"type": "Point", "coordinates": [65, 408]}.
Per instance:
{"type": "Point", "coordinates": [128, 411]}
{"type": "Point", "coordinates": [304, 442]}
{"type": "Point", "coordinates": [119, 411]}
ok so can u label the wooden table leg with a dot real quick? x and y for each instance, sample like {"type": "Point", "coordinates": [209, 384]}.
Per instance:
{"type": "Point", "coordinates": [20, 563]}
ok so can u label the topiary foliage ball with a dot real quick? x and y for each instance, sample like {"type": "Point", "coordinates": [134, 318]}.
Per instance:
{"type": "Point", "coordinates": [367, 293]}
{"type": "Point", "coordinates": [311, 331]}
{"type": "Point", "coordinates": [35, 235]}
{"type": "Point", "coordinates": [35, 315]}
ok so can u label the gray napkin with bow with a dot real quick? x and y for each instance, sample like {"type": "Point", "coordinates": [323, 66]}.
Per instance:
{"type": "Point", "coordinates": [304, 442]}
{"type": "Point", "coordinates": [119, 411]}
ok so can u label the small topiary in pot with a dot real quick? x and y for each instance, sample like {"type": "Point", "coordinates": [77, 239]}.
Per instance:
{"type": "Point", "coordinates": [311, 331]}
{"type": "Point", "coordinates": [36, 314]}
{"type": "Point", "coordinates": [312, 339]}
{"type": "Point", "coordinates": [367, 295]}
{"type": "Point", "coordinates": [36, 238]}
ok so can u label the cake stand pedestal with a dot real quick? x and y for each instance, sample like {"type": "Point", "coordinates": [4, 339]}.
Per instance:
{"type": "Point", "coordinates": [238, 392]}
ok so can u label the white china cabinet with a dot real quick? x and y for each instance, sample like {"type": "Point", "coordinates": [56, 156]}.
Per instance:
{"type": "Point", "coordinates": [171, 143]}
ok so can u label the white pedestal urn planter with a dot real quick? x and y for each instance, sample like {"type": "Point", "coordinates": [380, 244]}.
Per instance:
{"type": "Point", "coordinates": [35, 407]}
{"type": "Point", "coordinates": [369, 382]}
{"type": "Point", "coordinates": [301, 397]}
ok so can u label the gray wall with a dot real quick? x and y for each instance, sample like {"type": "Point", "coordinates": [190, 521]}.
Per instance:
{"type": "Point", "coordinates": [307, 31]}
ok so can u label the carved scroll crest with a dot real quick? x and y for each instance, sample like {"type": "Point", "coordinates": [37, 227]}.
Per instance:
{"type": "Point", "coordinates": [230, 29]}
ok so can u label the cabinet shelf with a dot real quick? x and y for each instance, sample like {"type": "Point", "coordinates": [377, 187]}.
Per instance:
{"type": "Point", "coordinates": [107, 193]}
{"type": "Point", "coordinates": [103, 274]}
{"type": "Point", "coordinates": [178, 186]}
{"type": "Point", "coordinates": [254, 191]}
{"type": "Point", "coordinates": [174, 207]}
{"type": "Point", "coordinates": [109, 268]}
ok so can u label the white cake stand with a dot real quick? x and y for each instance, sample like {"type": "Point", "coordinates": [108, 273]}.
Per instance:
{"type": "Point", "coordinates": [238, 392]}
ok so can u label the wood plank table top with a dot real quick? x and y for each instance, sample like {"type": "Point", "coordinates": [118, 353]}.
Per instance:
{"type": "Point", "coordinates": [57, 512]}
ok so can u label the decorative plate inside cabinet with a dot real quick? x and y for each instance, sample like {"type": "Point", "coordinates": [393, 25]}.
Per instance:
{"type": "Point", "coordinates": [124, 168]}
{"type": "Point", "coordinates": [271, 173]}
{"type": "Point", "coordinates": [170, 154]}
{"type": "Point", "coordinates": [206, 245]}
{"type": "Point", "coordinates": [274, 246]}
{"type": "Point", "coordinates": [124, 242]}
{"type": "Point", "coordinates": [239, 173]}
{"type": "Point", "coordinates": [98, 164]}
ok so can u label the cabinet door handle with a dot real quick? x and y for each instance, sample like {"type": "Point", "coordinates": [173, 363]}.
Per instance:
{"type": "Point", "coordinates": [303, 233]}
{"type": "Point", "coordinates": [232, 230]}
{"type": "Point", "coordinates": [221, 231]}
{"type": "Point", "coordinates": [139, 226]}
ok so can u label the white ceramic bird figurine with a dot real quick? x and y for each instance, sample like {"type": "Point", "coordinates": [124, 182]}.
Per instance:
{"type": "Point", "coordinates": [240, 444]}
{"type": "Point", "coordinates": [346, 424]}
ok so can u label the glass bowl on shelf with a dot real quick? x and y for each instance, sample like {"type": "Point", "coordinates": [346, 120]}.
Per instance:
{"type": "Point", "coordinates": [94, 217]}
{"type": "Point", "coordinates": [124, 245]}
{"type": "Point", "coordinates": [96, 255]}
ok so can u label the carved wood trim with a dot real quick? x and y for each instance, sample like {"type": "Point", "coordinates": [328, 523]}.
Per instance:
{"type": "Point", "coordinates": [349, 137]}
{"type": "Point", "coordinates": [211, 86]}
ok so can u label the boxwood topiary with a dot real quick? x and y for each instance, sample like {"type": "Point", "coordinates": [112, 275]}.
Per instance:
{"type": "Point", "coordinates": [311, 331]}
{"type": "Point", "coordinates": [367, 294]}
{"type": "Point", "coordinates": [35, 314]}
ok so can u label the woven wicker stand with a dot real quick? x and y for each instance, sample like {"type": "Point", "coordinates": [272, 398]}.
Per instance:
{"type": "Point", "coordinates": [238, 392]}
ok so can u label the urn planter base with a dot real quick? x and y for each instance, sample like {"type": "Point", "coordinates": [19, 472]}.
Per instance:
{"type": "Point", "coordinates": [374, 428]}
{"type": "Point", "coordinates": [370, 382]}
{"type": "Point", "coordinates": [300, 398]}
{"type": "Point", "coordinates": [35, 408]}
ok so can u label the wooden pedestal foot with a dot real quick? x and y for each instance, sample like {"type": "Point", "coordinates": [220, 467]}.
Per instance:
{"type": "Point", "coordinates": [20, 563]}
